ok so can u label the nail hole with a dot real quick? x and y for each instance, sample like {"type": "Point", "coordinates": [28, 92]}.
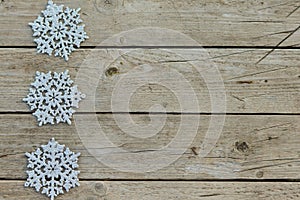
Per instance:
{"type": "Point", "coordinates": [259, 174]}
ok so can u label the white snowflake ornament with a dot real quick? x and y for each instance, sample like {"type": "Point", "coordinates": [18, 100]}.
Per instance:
{"type": "Point", "coordinates": [59, 30]}
{"type": "Point", "coordinates": [52, 169]}
{"type": "Point", "coordinates": [52, 97]}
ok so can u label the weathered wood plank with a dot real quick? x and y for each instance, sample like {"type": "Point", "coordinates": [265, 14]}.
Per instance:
{"type": "Point", "coordinates": [136, 190]}
{"type": "Point", "coordinates": [255, 147]}
{"type": "Point", "coordinates": [272, 86]}
{"type": "Point", "coordinates": [211, 23]}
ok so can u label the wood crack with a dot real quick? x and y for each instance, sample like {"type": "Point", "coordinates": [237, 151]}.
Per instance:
{"type": "Point", "coordinates": [282, 41]}
{"type": "Point", "coordinates": [266, 166]}
{"type": "Point", "coordinates": [270, 127]}
{"type": "Point", "coordinates": [210, 195]}
{"type": "Point", "coordinates": [257, 73]}
{"type": "Point", "coordinates": [293, 11]}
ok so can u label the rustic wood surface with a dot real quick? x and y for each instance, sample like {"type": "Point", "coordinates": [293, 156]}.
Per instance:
{"type": "Point", "coordinates": [272, 86]}
{"type": "Point", "coordinates": [149, 190]}
{"type": "Point", "coordinates": [250, 147]}
{"type": "Point", "coordinates": [211, 22]}
{"type": "Point", "coordinates": [254, 44]}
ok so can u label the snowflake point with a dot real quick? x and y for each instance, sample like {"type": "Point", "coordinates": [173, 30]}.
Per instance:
{"type": "Point", "coordinates": [69, 122]}
{"type": "Point", "coordinates": [83, 96]}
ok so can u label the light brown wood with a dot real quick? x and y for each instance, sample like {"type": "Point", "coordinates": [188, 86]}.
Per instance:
{"type": "Point", "coordinates": [136, 190]}
{"type": "Point", "coordinates": [250, 147]}
{"type": "Point", "coordinates": [211, 23]}
{"type": "Point", "coordinates": [272, 86]}
{"type": "Point", "coordinates": [265, 82]}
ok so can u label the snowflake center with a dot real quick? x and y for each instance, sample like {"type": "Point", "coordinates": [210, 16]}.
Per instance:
{"type": "Point", "coordinates": [53, 169]}
{"type": "Point", "coordinates": [54, 97]}
{"type": "Point", "coordinates": [60, 29]}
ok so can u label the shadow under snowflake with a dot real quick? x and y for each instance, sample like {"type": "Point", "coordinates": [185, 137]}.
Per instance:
{"type": "Point", "coordinates": [52, 97]}
{"type": "Point", "coordinates": [59, 30]}
{"type": "Point", "coordinates": [52, 169]}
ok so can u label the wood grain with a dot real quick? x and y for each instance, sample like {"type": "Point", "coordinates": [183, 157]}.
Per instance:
{"type": "Point", "coordinates": [272, 86]}
{"type": "Point", "coordinates": [136, 190]}
{"type": "Point", "coordinates": [250, 147]}
{"type": "Point", "coordinates": [260, 137]}
{"type": "Point", "coordinates": [211, 23]}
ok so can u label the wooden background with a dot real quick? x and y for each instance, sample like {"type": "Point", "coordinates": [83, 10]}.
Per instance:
{"type": "Point", "coordinates": [255, 44]}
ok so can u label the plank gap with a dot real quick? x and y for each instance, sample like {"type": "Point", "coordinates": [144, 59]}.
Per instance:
{"type": "Point", "coordinates": [154, 113]}
{"type": "Point", "coordinates": [169, 47]}
{"type": "Point", "coordinates": [179, 180]}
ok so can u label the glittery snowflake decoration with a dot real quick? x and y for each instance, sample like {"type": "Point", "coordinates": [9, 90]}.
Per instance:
{"type": "Point", "coordinates": [52, 97]}
{"type": "Point", "coordinates": [59, 30]}
{"type": "Point", "coordinates": [52, 169]}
